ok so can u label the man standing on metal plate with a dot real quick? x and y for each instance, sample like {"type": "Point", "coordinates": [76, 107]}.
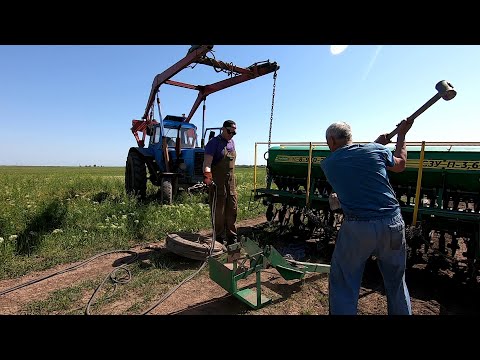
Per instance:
{"type": "Point", "coordinates": [219, 168]}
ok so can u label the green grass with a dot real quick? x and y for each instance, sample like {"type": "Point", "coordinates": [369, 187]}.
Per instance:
{"type": "Point", "coordinates": [55, 215]}
{"type": "Point", "coordinates": [63, 301]}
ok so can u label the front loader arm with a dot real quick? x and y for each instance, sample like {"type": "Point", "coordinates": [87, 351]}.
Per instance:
{"type": "Point", "coordinates": [197, 55]}
{"type": "Point", "coordinates": [193, 55]}
{"type": "Point", "coordinates": [245, 74]}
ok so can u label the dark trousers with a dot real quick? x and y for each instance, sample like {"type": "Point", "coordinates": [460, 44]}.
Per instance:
{"type": "Point", "coordinates": [225, 217]}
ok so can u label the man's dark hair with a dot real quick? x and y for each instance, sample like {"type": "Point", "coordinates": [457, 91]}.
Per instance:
{"type": "Point", "coordinates": [229, 123]}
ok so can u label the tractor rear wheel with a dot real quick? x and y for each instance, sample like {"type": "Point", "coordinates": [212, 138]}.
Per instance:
{"type": "Point", "coordinates": [135, 175]}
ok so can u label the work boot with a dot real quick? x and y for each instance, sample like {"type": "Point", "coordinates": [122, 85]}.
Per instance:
{"type": "Point", "coordinates": [232, 240]}
{"type": "Point", "coordinates": [222, 240]}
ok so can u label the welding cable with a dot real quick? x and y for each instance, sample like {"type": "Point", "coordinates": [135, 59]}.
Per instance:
{"type": "Point", "coordinates": [213, 210]}
{"type": "Point", "coordinates": [34, 281]}
{"type": "Point", "coordinates": [114, 279]}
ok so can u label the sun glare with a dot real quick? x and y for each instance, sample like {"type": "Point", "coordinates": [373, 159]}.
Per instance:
{"type": "Point", "coordinates": [337, 49]}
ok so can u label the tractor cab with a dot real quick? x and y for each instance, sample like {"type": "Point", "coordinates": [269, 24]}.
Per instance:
{"type": "Point", "coordinates": [175, 127]}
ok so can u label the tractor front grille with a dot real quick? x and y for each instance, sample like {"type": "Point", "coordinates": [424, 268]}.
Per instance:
{"type": "Point", "coordinates": [198, 165]}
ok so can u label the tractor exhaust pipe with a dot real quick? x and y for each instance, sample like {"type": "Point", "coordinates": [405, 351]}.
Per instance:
{"type": "Point", "coordinates": [445, 91]}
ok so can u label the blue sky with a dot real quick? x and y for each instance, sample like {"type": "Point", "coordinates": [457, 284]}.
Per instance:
{"type": "Point", "coordinates": [72, 105]}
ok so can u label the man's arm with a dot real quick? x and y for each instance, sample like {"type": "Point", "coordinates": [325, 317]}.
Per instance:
{"type": "Point", "coordinates": [400, 154]}
{"type": "Point", "coordinates": [207, 169]}
{"type": "Point", "coordinates": [382, 139]}
{"type": "Point", "coordinates": [207, 163]}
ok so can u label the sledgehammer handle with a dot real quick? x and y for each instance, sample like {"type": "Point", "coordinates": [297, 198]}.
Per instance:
{"type": "Point", "coordinates": [424, 107]}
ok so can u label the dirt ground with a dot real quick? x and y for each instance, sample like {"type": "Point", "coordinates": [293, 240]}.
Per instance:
{"type": "Point", "coordinates": [432, 293]}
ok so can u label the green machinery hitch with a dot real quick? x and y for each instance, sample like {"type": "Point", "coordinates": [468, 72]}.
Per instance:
{"type": "Point", "coordinates": [230, 267]}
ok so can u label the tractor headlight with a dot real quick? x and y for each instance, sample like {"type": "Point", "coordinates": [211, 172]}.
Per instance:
{"type": "Point", "coordinates": [182, 166]}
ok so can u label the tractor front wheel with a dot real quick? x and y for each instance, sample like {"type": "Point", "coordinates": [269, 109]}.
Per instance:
{"type": "Point", "coordinates": [167, 191]}
{"type": "Point", "coordinates": [135, 175]}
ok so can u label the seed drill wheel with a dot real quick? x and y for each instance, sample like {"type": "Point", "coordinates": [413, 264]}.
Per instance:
{"type": "Point", "coordinates": [135, 175]}
{"type": "Point", "coordinates": [192, 246]}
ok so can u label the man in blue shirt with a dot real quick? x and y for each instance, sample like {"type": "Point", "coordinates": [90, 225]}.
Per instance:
{"type": "Point", "coordinates": [219, 168]}
{"type": "Point", "coordinates": [373, 223]}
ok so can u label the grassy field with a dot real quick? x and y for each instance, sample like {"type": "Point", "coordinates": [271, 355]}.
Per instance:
{"type": "Point", "coordinates": [54, 215]}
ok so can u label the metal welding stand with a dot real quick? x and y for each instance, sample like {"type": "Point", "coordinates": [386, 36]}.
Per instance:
{"type": "Point", "coordinates": [227, 269]}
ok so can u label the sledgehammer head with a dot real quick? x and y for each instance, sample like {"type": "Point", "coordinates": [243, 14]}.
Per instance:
{"type": "Point", "coordinates": [445, 90]}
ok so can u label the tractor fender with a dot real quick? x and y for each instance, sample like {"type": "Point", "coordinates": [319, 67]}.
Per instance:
{"type": "Point", "coordinates": [149, 159]}
{"type": "Point", "coordinates": [144, 152]}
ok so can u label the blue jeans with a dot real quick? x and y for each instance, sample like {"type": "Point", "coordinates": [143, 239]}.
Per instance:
{"type": "Point", "coordinates": [357, 240]}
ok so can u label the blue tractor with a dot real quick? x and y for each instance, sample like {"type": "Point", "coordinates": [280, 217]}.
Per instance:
{"type": "Point", "coordinates": [174, 156]}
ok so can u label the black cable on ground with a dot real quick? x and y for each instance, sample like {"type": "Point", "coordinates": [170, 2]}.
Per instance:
{"type": "Point", "coordinates": [34, 281]}
{"type": "Point", "coordinates": [213, 210]}
{"type": "Point", "coordinates": [115, 280]}
{"type": "Point", "coordinates": [167, 295]}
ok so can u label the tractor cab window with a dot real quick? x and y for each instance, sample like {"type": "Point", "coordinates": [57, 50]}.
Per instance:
{"type": "Point", "coordinates": [189, 138]}
{"type": "Point", "coordinates": [156, 135]}
{"type": "Point", "coordinates": [171, 135]}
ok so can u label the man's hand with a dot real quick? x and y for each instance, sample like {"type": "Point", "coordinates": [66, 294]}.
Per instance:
{"type": "Point", "coordinates": [382, 139]}
{"type": "Point", "coordinates": [207, 178]}
{"type": "Point", "coordinates": [404, 126]}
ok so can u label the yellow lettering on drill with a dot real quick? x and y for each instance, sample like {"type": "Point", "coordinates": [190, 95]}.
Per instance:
{"type": "Point", "coordinates": [468, 165]}
{"type": "Point", "coordinates": [297, 159]}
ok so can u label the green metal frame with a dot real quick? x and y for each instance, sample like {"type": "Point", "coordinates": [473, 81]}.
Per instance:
{"type": "Point", "coordinates": [227, 274]}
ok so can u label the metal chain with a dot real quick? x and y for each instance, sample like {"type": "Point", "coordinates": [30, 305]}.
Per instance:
{"type": "Point", "coordinates": [271, 113]}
